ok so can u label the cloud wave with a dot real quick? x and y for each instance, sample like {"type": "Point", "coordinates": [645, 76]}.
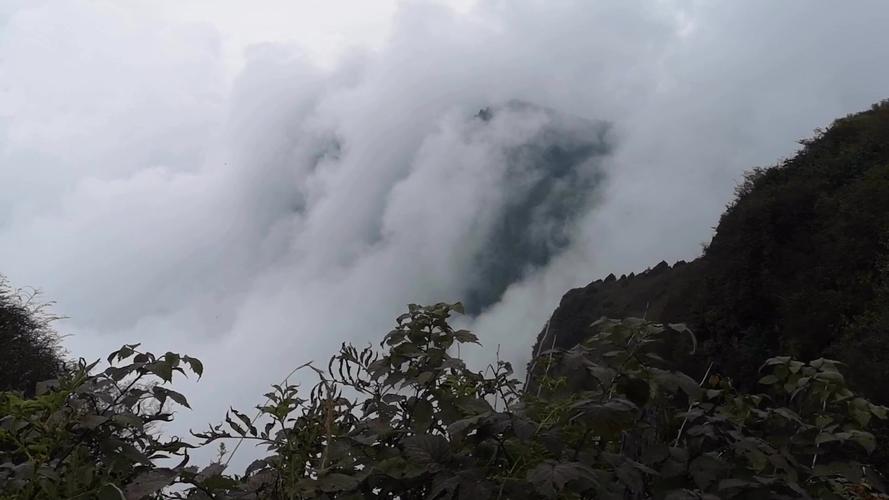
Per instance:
{"type": "Point", "coordinates": [499, 154]}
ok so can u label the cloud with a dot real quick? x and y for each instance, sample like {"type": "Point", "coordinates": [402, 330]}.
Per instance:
{"type": "Point", "coordinates": [257, 218]}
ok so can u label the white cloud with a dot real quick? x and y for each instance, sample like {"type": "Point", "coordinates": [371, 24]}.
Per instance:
{"type": "Point", "coordinates": [254, 186]}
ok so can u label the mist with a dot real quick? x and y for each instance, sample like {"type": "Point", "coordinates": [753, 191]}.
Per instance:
{"type": "Point", "coordinates": [256, 202]}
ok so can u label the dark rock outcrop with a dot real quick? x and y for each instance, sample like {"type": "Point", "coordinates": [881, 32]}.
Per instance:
{"type": "Point", "coordinates": [661, 293]}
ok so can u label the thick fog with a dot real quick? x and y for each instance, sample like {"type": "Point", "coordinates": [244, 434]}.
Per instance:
{"type": "Point", "coordinates": [254, 199]}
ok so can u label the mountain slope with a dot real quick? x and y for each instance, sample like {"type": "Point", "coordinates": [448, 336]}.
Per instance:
{"type": "Point", "coordinates": [798, 265]}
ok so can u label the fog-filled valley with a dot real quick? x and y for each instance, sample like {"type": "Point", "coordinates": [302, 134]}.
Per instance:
{"type": "Point", "coordinates": [255, 189]}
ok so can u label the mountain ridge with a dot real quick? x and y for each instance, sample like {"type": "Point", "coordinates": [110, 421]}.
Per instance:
{"type": "Point", "coordinates": [798, 265]}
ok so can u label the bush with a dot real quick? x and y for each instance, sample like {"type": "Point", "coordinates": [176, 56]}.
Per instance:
{"type": "Point", "coordinates": [609, 419]}
{"type": "Point", "coordinates": [29, 346]}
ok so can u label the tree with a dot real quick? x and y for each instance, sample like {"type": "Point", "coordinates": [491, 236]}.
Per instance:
{"type": "Point", "coordinates": [29, 348]}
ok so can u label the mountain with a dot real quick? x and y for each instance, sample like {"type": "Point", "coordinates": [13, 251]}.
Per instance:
{"type": "Point", "coordinates": [549, 179]}
{"type": "Point", "coordinates": [798, 265]}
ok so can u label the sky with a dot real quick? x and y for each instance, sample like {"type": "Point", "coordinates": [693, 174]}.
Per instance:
{"type": "Point", "coordinates": [255, 184]}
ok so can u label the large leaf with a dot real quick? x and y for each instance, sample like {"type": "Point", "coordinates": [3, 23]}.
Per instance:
{"type": "Point", "coordinates": [149, 482]}
{"type": "Point", "coordinates": [196, 366]}
{"type": "Point", "coordinates": [92, 421]}
{"type": "Point", "coordinates": [110, 492]}
{"type": "Point", "coordinates": [427, 449]}
{"type": "Point", "coordinates": [606, 418]}
{"type": "Point", "coordinates": [550, 477]}
{"type": "Point", "coordinates": [706, 469]}
{"type": "Point", "coordinates": [337, 482]}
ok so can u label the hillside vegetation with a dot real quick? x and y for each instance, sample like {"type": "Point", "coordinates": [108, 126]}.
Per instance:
{"type": "Point", "coordinates": [610, 418]}
{"type": "Point", "coordinates": [798, 265]}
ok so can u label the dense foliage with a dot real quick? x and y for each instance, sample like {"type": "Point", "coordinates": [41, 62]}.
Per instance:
{"type": "Point", "coordinates": [798, 265]}
{"type": "Point", "coordinates": [805, 251]}
{"type": "Point", "coordinates": [29, 347]}
{"type": "Point", "coordinates": [610, 418]}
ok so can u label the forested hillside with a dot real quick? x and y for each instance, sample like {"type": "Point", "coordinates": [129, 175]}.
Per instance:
{"type": "Point", "coordinates": [798, 265]}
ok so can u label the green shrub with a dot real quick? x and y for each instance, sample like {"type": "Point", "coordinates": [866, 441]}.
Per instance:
{"type": "Point", "coordinates": [88, 435]}
{"type": "Point", "coordinates": [29, 346]}
{"type": "Point", "coordinates": [610, 418]}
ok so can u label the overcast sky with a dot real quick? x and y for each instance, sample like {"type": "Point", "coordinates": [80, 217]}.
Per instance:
{"type": "Point", "coordinates": [254, 184]}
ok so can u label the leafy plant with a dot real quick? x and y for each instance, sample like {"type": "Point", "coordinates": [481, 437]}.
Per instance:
{"type": "Point", "coordinates": [611, 418]}
{"type": "Point", "coordinates": [29, 346]}
{"type": "Point", "coordinates": [89, 434]}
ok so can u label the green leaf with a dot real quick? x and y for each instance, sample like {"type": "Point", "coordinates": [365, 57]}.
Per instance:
{"type": "Point", "coordinates": [550, 477]}
{"type": "Point", "coordinates": [713, 393]}
{"type": "Point", "coordinates": [609, 418]}
{"type": "Point", "coordinates": [474, 405]}
{"type": "Point", "coordinates": [336, 482]}
{"type": "Point", "coordinates": [636, 390]}
{"type": "Point", "coordinates": [127, 420]}
{"type": "Point", "coordinates": [398, 468]}
{"type": "Point", "coordinates": [110, 492]}
{"type": "Point", "coordinates": [859, 409]}
{"type": "Point", "coordinates": [464, 336]}
{"type": "Point", "coordinates": [427, 449]}
{"type": "Point", "coordinates": [688, 385]}
{"type": "Point", "coordinates": [834, 377]}
{"type": "Point", "coordinates": [523, 428]}
{"type": "Point", "coordinates": [163, 369]}
{"type": "Point", "coordinates": [422, 412]}
{"type": "Point", "coordinates": [768, 380]}
{"type": "Point", "coordinates": [602, 373]}
{"type": "Point", "coordinates": [849, 470]}
{"type": "Point", "coordinates": [630, 477]}
{"type": "Point", "coordinates": [655, 356]}
{"type": "Point", "coordinates": [788, 414]}
{"type": "Point", "coordinates": [195, 364]}
{"type": "Point", "coordinates": [124, 352]}
{"type": "Point", "coordinates": [118, 373]}
{"type": "Point", "coordinates": [705, 469]}
{"type": "Point", "coordinates": [246, 420]}
{"type": "Point", "coordinates": [777, 360]}
{"type": "Point", "coordinates": [220, 482]}
{"type": "Point", "coordinates": [865, 439]}
{"type": "Point", "coordinates": [732, 483]}
{"type": "Point", "coordinates": [162, 393]}
{"type": "Point", "coordinates": [825, 437]}
{"type": "Point", "coordinates": [132, 453]}
{"type": "Point", "coordinates": [459, 427]}
{"type": "Point", "coordinates": [256, 465]}
{"type": "Point", "coordinates": [237, 428]}
{"type": "Point", "coordinates": [91, 421]}
{"type": "Point", "coordinates": [424, 378]}
{"type": "Point", "coordinates": [394, 337]}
